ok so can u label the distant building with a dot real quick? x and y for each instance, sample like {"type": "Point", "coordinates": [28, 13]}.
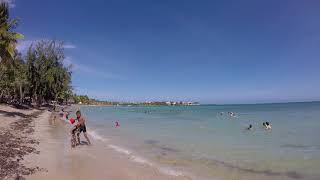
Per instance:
{"type": "Point", "coordinates": [71, 101]}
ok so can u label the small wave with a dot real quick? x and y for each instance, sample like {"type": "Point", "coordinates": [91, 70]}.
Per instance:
{"type": "Point", "coordinates": [96, 136]}
{"type": "Point", "coordinates": [134, 158]}
{"type": "Point", "coordinates": [120, 149]}
{"type": "Point", "coordinates": [141, 160]}
{"type": "Point", "coordinates": [170, 171]}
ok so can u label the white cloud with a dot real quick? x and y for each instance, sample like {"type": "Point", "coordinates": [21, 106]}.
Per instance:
{"type": "Point", "coordinates": [23, 45]}
{"type": "Point", "coordinates": [69, 46]}
{"type": "Point", "coordinates": [10, 2]}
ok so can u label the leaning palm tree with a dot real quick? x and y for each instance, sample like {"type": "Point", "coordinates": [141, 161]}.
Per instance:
{"type": "Point", "coordinates": [8, 38]}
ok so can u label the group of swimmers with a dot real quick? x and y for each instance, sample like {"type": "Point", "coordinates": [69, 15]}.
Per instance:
{"type": "Point", "coordinates": [266, 125]}
{"type": "Point", "coordinates": [231, 114]}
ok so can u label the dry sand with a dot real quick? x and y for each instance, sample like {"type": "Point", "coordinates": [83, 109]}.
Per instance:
{"type": "Point", "coordinates": [16, 126]}
{"type": "Point", "coordinates": [10, 114]}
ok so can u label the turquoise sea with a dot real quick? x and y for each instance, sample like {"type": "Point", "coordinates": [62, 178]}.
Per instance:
{"type": "Point", "coordinates": [204, 142]}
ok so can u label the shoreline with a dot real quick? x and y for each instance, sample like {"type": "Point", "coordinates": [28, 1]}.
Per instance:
{"type": "Point", "coordinates": [39, 141]}
{"type": "Point", "coordinates": [140, 138]}
{"type": "Point", "coordinates": [52, 157]}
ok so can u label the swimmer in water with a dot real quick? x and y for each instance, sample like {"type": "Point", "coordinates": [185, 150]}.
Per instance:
{"type": "Point", "coordinates": [117, 124]}
{"type": "Point", "coordinates": [250, 127]}
{"type": "Point", "coordinates": [232, 114]}
{"type": "Point", "coordinates": [268, 126]}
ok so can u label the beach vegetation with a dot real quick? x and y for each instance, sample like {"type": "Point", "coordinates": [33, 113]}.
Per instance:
{"type": "Point", "coordinates": [39, 76]}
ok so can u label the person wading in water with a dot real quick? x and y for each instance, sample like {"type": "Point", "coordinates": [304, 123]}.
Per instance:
{"type": "Point", "coordinates": [82, 127]}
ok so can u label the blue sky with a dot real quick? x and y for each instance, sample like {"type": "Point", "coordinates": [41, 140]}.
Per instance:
{"type": "Point", "coordinates": [207, 51]}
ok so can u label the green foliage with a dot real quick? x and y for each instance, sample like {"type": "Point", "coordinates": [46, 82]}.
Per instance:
{"type": "Point", "coordinates": [12, 69]}
{"type": "Point", "coordinates": [39, 75]}
{"type": "Point", "coordinates": [8, 38]}
{"type": "Point", "coordinates": [83, 99]}
{"type": "Point", "coordinates": [13, 81]}
{"type": "Point", "coordinates": [49, 78]}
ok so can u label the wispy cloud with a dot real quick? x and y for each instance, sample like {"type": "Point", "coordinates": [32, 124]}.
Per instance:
{"type": "Point", "coordinates": [77, 67]}
{"type": "Point", "coordinates": [69, 46]}
{"type": "Point", "coordinates": [23, 45]}
{"type": "Point", "coordinates": [10, 2]}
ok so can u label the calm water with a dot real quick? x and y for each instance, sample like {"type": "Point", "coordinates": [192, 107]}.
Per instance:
{"type": "Point", "coordinates": [201, 142]}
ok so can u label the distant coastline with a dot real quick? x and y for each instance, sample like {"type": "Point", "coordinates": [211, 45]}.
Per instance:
{"type": "Point", "coordinates": [262, 103]}
{"type": "Point", "coordinates": [93, 102]}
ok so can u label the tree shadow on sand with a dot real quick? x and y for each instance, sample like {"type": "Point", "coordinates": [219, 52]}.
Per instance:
{"type": "Point", "coordinates": [20, 106]}
{"type": "Point", "coordinates": [12, 114]}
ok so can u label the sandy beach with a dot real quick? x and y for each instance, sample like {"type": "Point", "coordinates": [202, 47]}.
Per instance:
{"type": "Point", "coordinates": [53, 158]}
{"type": "Point", "coordinates": [35, 144]}
{"type": "Point", "coordinates": [16, 126]}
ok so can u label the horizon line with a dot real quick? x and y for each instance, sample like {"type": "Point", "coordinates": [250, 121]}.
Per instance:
{"type": "Point", "coordinates": [284, 102]}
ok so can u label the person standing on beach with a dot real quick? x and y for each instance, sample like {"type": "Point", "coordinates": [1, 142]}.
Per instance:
{"type": "Point", "coordinates": [82, 127]}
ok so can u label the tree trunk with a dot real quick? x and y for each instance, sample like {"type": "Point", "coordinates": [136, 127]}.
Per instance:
{"type": "Point", "coordinates": [39, 101]}
{"type": "Point", "coordinates": [1, 96]}
{"type": "Point", "coordinates": [21, 93]}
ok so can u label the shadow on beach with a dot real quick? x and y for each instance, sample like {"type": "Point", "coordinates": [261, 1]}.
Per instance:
{"type": "Point", "coordinates": [13, 114]}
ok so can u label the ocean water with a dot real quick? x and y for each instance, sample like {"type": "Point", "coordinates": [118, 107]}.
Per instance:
{"type": "Point", "coordinates": [204, 142]}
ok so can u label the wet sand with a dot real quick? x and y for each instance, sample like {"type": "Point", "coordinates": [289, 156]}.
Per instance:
{"type": "Point", "coordinates": [97, 161]}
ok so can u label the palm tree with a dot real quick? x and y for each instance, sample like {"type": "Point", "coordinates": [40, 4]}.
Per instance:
{"type": "Point", "coordinates": [8, 38]}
